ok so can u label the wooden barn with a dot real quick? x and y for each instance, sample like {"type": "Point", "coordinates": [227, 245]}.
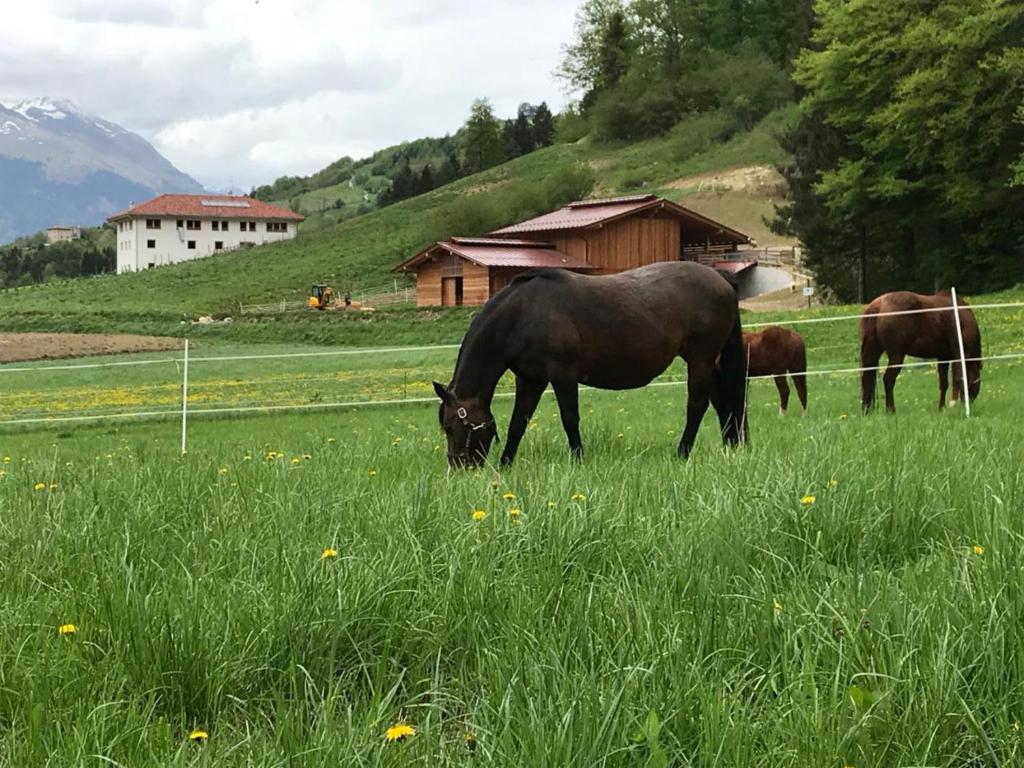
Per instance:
{"type": "Point", "coordinates": [595, 236]}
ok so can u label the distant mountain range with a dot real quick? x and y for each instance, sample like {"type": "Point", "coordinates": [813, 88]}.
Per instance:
{"type": "Point", "coordinates": [59, 165]}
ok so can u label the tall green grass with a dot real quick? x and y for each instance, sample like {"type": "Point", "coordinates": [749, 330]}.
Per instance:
{"type": "Point", "coordinates": [876, 626]}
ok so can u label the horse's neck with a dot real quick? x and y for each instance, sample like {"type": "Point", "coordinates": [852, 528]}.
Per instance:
{"type": "Point", "coordinates": [481, 363]}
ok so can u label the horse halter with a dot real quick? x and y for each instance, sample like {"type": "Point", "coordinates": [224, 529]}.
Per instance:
{"type": "Point", "coordinates": [464, 418]}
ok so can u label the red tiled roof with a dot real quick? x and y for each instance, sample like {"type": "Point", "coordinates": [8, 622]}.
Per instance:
{"type": "Point", "coordinates": [591, 213]}
{"type": "Point", "coordinates": [209, 206]}
{"type": "Point", "coordinates": [493, 252]}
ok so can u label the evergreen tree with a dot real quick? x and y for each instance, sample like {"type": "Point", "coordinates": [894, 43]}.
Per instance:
{"type": "Point", "coordinates": [481, 142]}
{"type": "Point", "coordinates": [543, 126]}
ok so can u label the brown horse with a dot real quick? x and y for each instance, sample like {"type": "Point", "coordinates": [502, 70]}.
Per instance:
{"type": "Point", "coordinates": [609, 332]}
{"type": "Point", "coordinates": [775, 352]}
{"type": "Point", "coordinates": [927, 334]}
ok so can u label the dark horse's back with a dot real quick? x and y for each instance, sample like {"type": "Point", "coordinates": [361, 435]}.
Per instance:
{"type": "Point", "coordinates": [621, 330]}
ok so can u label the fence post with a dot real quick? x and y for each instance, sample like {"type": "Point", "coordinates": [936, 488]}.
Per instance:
{"type": "Point", "coordinates": [963, 358]}
{"type": "Point", "coordinates": [184, 402]}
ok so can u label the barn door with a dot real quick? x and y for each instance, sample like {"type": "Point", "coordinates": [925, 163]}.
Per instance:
{"type": "Point", "coordinates": [451, 291]}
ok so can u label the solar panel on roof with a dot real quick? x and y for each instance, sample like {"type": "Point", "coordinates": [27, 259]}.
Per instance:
{"type": "Point", "coordinates": [224, 203]}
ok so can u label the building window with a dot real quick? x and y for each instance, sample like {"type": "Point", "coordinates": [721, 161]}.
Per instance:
{"type": "Point", "coordinates": [150, 265]}
{"type": "Point", "coordinates": [218, 244]}
{"type": "Point", "coordinates": [216, 226]}
{"type": "Point", "coordinates": [191, 245]}
{"type": "Point", "coordinates": [181, 223]}
{"type": "Point", "coordinates": [151, 243]}
{"type": "Point", "coordinates": [152, 223]}
{"type": "Point", "coordinates": [275, 226]}
{"type": "Point", "coordinates": [193, 224]}
{"type": "Point", "coordinates": [252, 226]}
{"type": "Point", "coordinates": [223, 226]}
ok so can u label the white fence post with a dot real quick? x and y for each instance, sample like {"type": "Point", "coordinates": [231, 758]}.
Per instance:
{"type": "Point", "coordinates": [184, 402]}
{"type": "Point", "coordinates": [963, 358]}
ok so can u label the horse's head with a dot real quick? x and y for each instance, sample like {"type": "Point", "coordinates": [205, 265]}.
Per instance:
{"type": "Point", "coordinates": [974, 379]}
{"type": "Point", "coordinates": [468, 426]}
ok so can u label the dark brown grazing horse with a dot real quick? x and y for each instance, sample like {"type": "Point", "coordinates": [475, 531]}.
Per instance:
{"type": "Point", "coordinates": [775, 352]}
{"type": "Point", "coordinates": [931, 335]}
{"type": "Point", "coordinates": [610, 332]}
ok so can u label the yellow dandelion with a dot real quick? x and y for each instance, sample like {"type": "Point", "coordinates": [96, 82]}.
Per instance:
{"type": "Point", "coordinates": [306, 456]}
{"type": "Point", "coordinates": [1016, 725]}
{"type": "Point", "coordinates": [842, 417]}
{"type": "Point", "coordinates": [331, 440]}
{"type": "Point", "coordinates": [833, 483]}
{"type": "Point", "coordinates": [39, 487]}
{"type": "Point", "coordinates": [53, 486]}
{"type": "Point", "coordinates": [328, 553]}
{"type": "Point", "coordinates": [808, 499]}
{"type": "Point", "coordinates": [373, 472]}
{"type": "Point", "coordinates": [470, 739]}
{"type": "Point", "coordinates": [551, 505]}
{"type": "Point", "coordinates": [67, 629]}
{"type": "Point", "coordinates": [399, 732]}
{"type": "Point", "coordinates": [620, 435]}
{"type": "Point", "coordinates": [777, 607]}
{"type": "Point", "coordinates": [7, 459]}
{"type": "Point", "coordinates": [479, 514]}
{"type": "Point", "coordinates": [515, 512]}
{"type": "Point", "coordinates": [222, 471]}
{"type": "Point", "coordinates": [247, 457]}
{"type": "Point", "coordinates": [199, 735]}
{"type": "Point", "coordinates": [578, 497]}
{"type": "Point", "coordinates": [978, 549]}
{"type": "Point", "coordinates": [508, 496]}
{"type": "Point", "coordinates": [296, 460]}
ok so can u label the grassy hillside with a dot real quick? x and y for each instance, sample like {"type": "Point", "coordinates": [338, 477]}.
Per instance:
{"type": "Point", "coordinates": [359, 253]}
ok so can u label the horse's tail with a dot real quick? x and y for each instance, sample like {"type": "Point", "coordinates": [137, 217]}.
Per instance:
{"type": "Point", "coordinates": [870, 354]}
{"type": "Point", "coordinates": [733, 368]}
{"type": "Point", "coordinates": [798, 372]}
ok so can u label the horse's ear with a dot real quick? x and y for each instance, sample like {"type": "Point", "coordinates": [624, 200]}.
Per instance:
{"type": "Point", "coordinates": [442, 391]}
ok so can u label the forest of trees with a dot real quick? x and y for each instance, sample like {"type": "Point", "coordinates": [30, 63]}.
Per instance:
{"type": "Point", "coordinates": [907, 155]}
{"type": "Point", "coordinates": [30, 260]}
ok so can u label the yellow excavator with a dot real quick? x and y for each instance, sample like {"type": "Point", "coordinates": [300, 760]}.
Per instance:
{"type": "Point", "coordinates": [321, 296]}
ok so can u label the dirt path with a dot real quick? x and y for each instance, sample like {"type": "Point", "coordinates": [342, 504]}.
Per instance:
{"type": "Point", "coordinates": [43, 346]}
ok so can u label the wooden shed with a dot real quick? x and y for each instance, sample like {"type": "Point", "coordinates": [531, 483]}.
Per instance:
{"type": "Point", "coordinates": [596, 236]}
{"type": "Point", "coordinates": [627, 232]}
{"type": "Point", "coordinates": [466, 270]}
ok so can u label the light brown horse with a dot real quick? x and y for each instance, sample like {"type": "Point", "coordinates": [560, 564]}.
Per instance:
{"type": "Point", "coordinates": [927, 334]}
{"type": "Point", "coordinates": [776, 351]}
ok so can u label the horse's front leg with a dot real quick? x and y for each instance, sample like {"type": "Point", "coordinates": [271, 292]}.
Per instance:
{"type": "Point", "coordinates": [892, 371]}
{"type": "Point", "coordinates": [527, 396]}
{"type": "Point", "coordinates": [783, 387]}
{"type": "Point", "coordinates": [568, 394]}
{"type": "Point", "coordinates": [699, 377]}
{"type": "Point", "coordinates": [943, 384]}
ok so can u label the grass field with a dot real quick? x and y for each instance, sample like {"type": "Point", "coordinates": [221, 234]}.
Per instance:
{"type": "Point", "coordinates": [846, 591]}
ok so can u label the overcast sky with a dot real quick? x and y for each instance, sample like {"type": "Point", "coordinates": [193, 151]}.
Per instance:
{"type": "Point", "coordinates": [243, 91]}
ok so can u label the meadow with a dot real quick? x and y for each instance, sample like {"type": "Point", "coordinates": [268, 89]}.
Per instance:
{"type": "Point", "coordinates": [846, 591]}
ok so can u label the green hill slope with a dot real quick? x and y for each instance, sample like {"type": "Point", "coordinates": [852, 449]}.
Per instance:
{"type": "Point", "coordinates": [359, 253]}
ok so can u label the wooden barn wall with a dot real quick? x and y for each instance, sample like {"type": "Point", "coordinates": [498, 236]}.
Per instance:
{"type": "Point", "coordinates": [428, 284]}
{"type": "Point", "coordinates": [476, 283]}
{"type": "Point", "coordinates": [635, 242]}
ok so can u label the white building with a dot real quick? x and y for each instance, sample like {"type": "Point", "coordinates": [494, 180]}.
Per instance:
{"type": "Point", "coordinates": [62, 234]}
{"type": "Point", "coordinates": [173, 228]}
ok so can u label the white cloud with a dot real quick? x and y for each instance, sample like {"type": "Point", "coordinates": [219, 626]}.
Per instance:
{"type": "Point", "coordinates": [235, 90]}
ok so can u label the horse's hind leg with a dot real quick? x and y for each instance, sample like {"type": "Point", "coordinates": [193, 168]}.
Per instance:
{"type": "Point", "coordinates": [889, 379]}
{"type": "Point", "coordinates": [568, 395]}
{"type": "Point", "coordinates": [527, 396]}
{"type": "Point", "coordinates": [943, 384]}
{"type": "Point", "coordinates": [700, 376]}
{"type": "Point", "coordinates": [780, 382]}
{"type": "Point", "coordinates": [800, 384]}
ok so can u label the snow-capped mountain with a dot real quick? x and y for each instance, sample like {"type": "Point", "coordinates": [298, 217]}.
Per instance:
{"type": "Point", "coordinates": [59, 165]}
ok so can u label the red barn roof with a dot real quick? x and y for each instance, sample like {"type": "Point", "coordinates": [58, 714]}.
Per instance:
{"type": "Point", "coordinates": [493, 252]}
{"type": "Point", "coordinates": [208, 206]}
{"type": "Point", "coordinates": [586, 214]}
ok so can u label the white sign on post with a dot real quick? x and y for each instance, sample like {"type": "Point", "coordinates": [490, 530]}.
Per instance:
{"type": "Point", "coordinates": [809, 290]}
